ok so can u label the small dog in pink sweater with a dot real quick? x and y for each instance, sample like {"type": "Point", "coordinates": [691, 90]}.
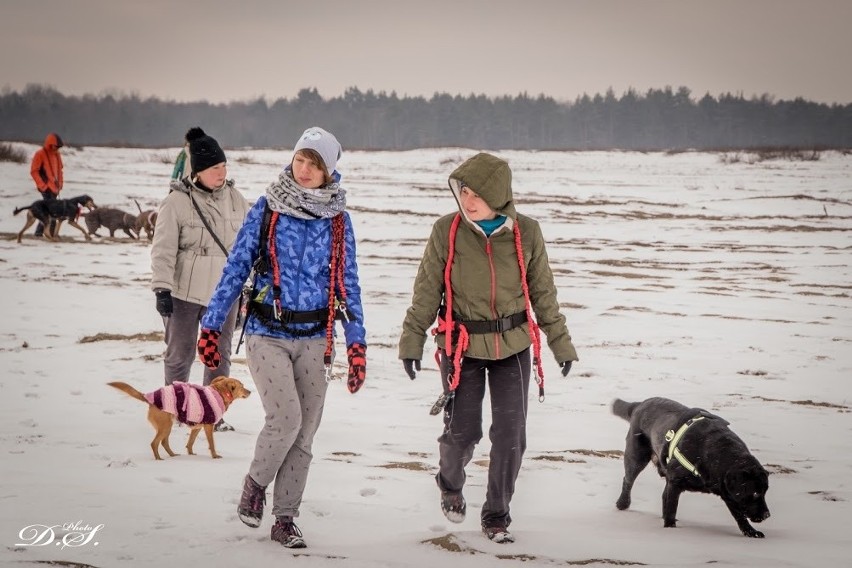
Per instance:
{"type": "Point", "coordinates": [194, 405]}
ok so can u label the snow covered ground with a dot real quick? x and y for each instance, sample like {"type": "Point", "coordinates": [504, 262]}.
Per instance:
{"type": "Point", "coordinates": [724, 286]}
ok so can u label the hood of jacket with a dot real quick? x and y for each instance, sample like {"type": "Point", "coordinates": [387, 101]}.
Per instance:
{"type": "Point", "coordinates": [491, 178]}
{"type": "Point", "coordinates": [186, 184]}
{"type": "Point", "coordinates": [53, 142]}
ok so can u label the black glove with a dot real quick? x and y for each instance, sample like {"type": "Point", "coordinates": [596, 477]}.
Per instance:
{"type": "Point", "coordinates": [164, 302]}
{"type": "Point", "coordinates": [566, 367]}
{"type": "Point", "coordinates": [410, 365]}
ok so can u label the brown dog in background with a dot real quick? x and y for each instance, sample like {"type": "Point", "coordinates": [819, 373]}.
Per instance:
{"type": "Point", "coordinates": [145, 221]}
{"type": "Point", "coordinates": [228, 388]}
{"type": "Point", "coordinates": [113, 219]}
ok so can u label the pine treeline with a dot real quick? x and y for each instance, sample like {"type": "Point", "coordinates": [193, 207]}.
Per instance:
{"type": "Point", "coordinates": [661, 119]}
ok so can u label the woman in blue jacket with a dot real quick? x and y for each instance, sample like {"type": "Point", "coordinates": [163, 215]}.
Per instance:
{"type": "Point", "coordinates": [305, 277]}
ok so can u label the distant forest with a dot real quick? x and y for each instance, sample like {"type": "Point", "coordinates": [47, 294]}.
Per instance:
{"type": "Point", "coordinates": [660, 119]}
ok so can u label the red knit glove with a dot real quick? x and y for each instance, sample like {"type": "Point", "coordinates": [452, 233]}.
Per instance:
{"type": "Point", "coordinates": [357, 355]}
{"type": "Point", "coordinates": [208, 347]}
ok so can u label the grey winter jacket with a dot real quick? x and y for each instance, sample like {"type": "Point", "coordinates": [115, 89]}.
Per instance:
{"type": "Point", "coordinates": [185, 258]}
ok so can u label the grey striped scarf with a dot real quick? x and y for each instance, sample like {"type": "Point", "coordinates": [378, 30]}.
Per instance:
{"type": "Point", "coordinates": [288, 197]}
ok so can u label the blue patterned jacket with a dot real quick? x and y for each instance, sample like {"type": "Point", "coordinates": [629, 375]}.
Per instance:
{"type": "Point", "coordinates": [304, 253]}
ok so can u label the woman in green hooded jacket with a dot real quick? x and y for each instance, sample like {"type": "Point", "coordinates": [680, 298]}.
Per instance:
{"type": "Point", "coordinates": [485, 275]}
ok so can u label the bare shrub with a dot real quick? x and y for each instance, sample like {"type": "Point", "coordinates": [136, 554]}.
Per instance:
{"type": "Point", "coordinates": [161, 158]}
{"type": "Point", "coordinates": [787, 153]}
{"type": "Point", "coordinates": [764, 154]}
{"type": "Point", "coordinates": [9, 153]}
{"type": "Point", "coordinates": [730, 157]}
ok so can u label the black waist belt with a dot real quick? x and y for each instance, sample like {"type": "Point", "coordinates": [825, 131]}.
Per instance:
{"type": "Point", "coordinates": [267, 312]}
{"type": "Point", "coordinates": [494, 326]}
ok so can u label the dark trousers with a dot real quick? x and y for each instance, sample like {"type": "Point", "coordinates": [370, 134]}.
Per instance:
{"type": "Point", "coordinates": [47, 196]}
{"type": "Point", "coordinates": [508, 382]}
{"type": "Point", "coordinates": [182, 341]}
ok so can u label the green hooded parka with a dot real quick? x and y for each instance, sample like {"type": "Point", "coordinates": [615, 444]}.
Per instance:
{"type": "Point", "coordinates": [486, 276]}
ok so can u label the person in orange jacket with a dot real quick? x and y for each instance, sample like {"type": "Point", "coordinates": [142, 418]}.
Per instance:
{"type": "Point", "coordinates": [46, 170]}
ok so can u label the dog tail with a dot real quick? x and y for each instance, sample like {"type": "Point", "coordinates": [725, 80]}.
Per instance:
{"type": "Point", "coordinates": [138, 206]}
{"type": "Point", "coordinates": [19, 209]}
{"type": "Point", "coordinates": [129, 390]}
{"type": "Point", "coordinates": [623, 409]}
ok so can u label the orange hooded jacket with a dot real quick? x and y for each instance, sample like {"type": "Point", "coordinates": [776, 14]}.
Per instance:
{"type": "Point", "coordinates": [46, 167]}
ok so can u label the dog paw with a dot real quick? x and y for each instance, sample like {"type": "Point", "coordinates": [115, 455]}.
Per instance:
{"type": "Point", "coordinates": [622, 503]}
{"type": "Point", "coordinates": [753, 533]}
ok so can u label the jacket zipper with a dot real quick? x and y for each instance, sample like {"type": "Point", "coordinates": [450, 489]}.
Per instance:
{"type": "Point", "coordinates": [493, 294]}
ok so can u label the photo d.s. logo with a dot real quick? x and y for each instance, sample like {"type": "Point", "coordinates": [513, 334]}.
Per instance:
{"type": "Point", "coordinates": [67, 535]}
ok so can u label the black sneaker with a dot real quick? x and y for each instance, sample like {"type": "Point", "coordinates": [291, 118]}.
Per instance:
{"type": "Point", "coordinates": [498, 533]}
{"type": "Point", "coordinates": [223, 426]}
{"type": "Point", "coordinates": [287, 533]}
{"type": "Point", "coordinates": [250, 509]}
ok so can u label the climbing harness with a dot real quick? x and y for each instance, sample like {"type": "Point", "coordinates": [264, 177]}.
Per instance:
{"type": "Point", "coordinates": [457, 332]}
{"type": "Point", "coordinates": [274, 315]}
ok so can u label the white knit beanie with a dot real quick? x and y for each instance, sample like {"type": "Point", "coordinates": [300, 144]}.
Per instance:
{"type": "Point", "coordinates": [324, 143]}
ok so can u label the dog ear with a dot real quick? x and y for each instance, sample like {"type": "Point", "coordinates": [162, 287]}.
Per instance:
{"type": "Point", "coordinates": [734, 480]}
{"type": "Point", "coordinates": [739, 481]}
{"type": "Point", "coordinates": [218, 380]}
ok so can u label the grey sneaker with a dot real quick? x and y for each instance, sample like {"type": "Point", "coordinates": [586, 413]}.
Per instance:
{"type": "Point", "coordinates": [498, 533]}
{"type": "Point", "coordinates": [452, 503]}
{"type": "Point", "coordinates": [250, 509]}
{"type": "Point", "coordinates": [223, 426]}
{"type": "Point", "coordinates": [287, 533]}
{"type": "Point", "coordinates": [453, 506]}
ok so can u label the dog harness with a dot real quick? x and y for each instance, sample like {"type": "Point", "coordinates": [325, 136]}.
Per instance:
{"type": "Point", "coordinates": [673, 438]}
{"type": "Point", "coordinates": [191, 404]}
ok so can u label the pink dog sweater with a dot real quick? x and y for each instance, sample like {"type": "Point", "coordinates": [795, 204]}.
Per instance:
{"type": "Point", "coordinates": [192, 404]}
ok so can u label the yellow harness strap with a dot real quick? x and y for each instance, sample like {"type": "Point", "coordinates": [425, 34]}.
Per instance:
{"type": "Point", "coordinates": [674, 438]}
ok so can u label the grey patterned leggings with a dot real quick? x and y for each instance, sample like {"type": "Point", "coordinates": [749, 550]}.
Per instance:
{"type": "Point", "coordinates": [289, 375]}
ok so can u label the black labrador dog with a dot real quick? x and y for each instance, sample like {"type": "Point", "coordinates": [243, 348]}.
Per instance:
{"type": "Point", "coordinates": [694, 451]}
{"type": "Point", "coordinates": [58, 210]}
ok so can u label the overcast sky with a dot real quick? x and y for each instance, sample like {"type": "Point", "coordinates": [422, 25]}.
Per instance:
{"type": "Point", "coordinates": [242, 49]}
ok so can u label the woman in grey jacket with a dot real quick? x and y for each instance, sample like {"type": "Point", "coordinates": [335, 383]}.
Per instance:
{"type": "Point", "coordinates": [196, 226]}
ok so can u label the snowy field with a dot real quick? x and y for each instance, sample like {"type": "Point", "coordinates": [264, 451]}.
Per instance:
{"type": "Point", "coordinates": [724, 286]}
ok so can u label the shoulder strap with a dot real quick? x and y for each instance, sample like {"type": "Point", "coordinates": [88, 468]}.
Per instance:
{"type": "Point", "coordinates": [261, 265]}
{"type": "Point", "coordinates": [206, 224]}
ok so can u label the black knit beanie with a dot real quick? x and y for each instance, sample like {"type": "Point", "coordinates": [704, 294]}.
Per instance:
{"type": "Point", "coordinates": [204, 151]}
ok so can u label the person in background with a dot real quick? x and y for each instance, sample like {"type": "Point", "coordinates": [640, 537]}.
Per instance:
{"type": "Point", "coordinates": [484, 273]}
{"type": "Point", "coordinates": [179, 171]}
{"type": "Point", "coordinates": [46, 171]}
{"type": "Point", "coordinates": [196, 225]}
{"type": "Point", "coordinates": [299, 240]}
